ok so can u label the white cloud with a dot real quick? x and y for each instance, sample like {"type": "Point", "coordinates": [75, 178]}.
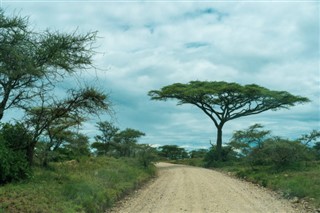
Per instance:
{"type": "Point", "coordinates": [147, 45]}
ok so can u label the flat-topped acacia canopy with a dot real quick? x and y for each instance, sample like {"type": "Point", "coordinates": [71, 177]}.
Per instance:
{"type": "Point", "coordinates": [224, 101]}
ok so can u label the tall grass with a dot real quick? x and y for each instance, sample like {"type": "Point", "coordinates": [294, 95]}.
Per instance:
{"type": "Point", "coordinates": [90, 185]}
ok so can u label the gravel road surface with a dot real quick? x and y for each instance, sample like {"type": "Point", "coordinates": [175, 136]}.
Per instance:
{"type": "Point", "coordinates": [181, 188]}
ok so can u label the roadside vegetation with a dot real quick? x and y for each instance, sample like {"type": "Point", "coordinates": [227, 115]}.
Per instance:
{"type": "Point", "coordinates": [47, 163]}
{"type": "Point", "coordinates": [85, 185]}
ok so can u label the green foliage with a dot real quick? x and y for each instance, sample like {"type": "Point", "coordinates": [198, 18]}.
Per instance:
{"type": "Point", "coordinates": [172, 152]}
{"type": "Point", "coordinates": [247, 140]}
{"type": "Point", "coordinates": [104, 141]}
{"type": "Point", "coordinates": [100, 148]}
{"type": "Point", "coordinates": [126, 142]}
{"type": "Point", "coordinates": [113, 142]}
{"type": "Point", "coordinates": [258, 149]}
{"type": "Point", "coordinates": [282, 153]}
{"type": "Point", "coordinates": [211, 159]}
{"type": "Point", "coordinates": [310, 138]}
{"type": "Point", "coordinates": [75, 146]}
{"type": "Point", "coordinates": [223, 101]}
{"type": "Point", "coordinates": [316, 148]}
{"type": "Point", "coordinates": [219, 93]}
{"type": "Point", "coordinates": [16, 136]}
{"type": "Point", "coordinates": [147, 155]}
{"type": "Point", "coordinates": [88, 185]}
{"type": "Point", "coordinates": [198, 153]}
{"type": "Point", "coordinates": [14, 142]}
{"type": "Point", "coordinates": [32, 62]}
{"type": "Point", "coordinates": [54, 121]}
{"type": "Point", "coordinates": [14, 165]}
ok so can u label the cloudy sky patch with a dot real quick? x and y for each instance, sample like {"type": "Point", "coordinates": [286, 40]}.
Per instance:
{"type": "Point", "coordinates": [145, 45]}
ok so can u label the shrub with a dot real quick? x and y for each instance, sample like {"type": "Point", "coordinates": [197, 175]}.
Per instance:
{"type": "Point", "coordinates": [14, 141]}
{"type": "Point", "coordinates": [316, 149]}
{"type": "Point", "coordinates": [281, 153]}
{"type": "Point", "coordinates": [146, 155]}
{"type": "Point", "coordinates": [211, 158]}
{"type": "Point", "coordinates": [14, 165]}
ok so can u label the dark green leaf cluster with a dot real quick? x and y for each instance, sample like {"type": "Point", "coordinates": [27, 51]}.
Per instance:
{"type": "Point", "coordinates": [257, 147]}
{"type": "Point", "coordinates": [32, 62]}
{"type": "Point", "coordinates": [53, 123]}
{"type": "Point", "coordinates": [226, 101]}
{"type": "Point", "coordinates": [245, 140]}
{"type": "Point", "coordinates": [282, 152]}
{"type": "Point", "coordinates": [211, 159]}
{"type": "Point", "coordinates": [173, 152]}
{"type": "Point", "coordinates": [14, 141]}
{"type": "Point", "coordinates": [31, 65]}
{"type": "Point", "coordinates": [113, 142]}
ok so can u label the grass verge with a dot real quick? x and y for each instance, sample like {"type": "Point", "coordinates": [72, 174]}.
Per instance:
{"type": "Point", "coordinates": [90, 185]}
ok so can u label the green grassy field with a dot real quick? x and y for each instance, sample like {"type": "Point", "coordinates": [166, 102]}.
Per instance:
{"type": "Point", "coordinates": [90, 185]}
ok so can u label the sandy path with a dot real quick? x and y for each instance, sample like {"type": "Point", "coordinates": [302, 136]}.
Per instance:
{"type": "Point", "coordinates": [190, 189]}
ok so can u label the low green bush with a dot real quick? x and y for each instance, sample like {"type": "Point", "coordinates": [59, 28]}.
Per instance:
{"type": "Point", "coordinates": [13, 166]}
{"type": "Point", "coordinates": [283, 153]}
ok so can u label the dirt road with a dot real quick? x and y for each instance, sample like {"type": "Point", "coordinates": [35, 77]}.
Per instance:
{"type": "Point", "coordinates": [189, 189]}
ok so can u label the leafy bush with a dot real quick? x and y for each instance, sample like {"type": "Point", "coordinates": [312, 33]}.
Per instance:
{"type": "Point", "coordinates": [281, 153]}
{"type": "Point", "coordinates": [172, 152]}
{"type": "Point", "coordinates": [13, 166]}
{"type": "Point", "coordinates": [146, 155]}
{"type": "Point", "coordinates": [14, 141]}
{"type": "Point", "coordinates": [16, 136]}
{"type": "Point", "coordinates": [211, 158]}
{"type": "Point", "coordinates": [316, 149]}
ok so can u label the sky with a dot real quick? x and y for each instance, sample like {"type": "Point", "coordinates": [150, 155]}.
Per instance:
{"type": "Point", "coordinates": [145, 45]}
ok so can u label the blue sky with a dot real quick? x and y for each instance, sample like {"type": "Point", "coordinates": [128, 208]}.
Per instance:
{"type": "Point", "coordinates": [145, 45]}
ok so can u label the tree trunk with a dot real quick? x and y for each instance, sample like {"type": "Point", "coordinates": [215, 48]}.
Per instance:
{"type": "Point", "coordinates": [2, 107]}
{"type": "Point", "coordinates": [219, 143]}
{"type": "Point", "coordinates": [45, 160]}
{"type": "Point", "coordinates": [30, 153]}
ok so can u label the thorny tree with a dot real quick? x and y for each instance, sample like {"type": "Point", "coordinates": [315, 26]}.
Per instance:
{"type": "Point", "coordinates": [32, 62]}
{"type": "Point", "coordinates": [223, 101]}
{"type": "Point", "coordinates": [58, 116]}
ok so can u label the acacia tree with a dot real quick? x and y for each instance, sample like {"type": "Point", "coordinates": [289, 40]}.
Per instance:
{"type": "Point", "coordinates": [105, 139]}
{"type": "Point", "coordinates": [246, 140]}
{"type": "Point", "coordinates": [32, 62]}
{"type": "Point", "coordinates": [76, 146]}
{"type": "Point", "coordinates": [126, 141]}
{"type": "Point", "coordinates": [50, 119]}
{"type": "Point", "coordinates": [223, 101]}
{"type": "Point", "coordinates": [312, 137]}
